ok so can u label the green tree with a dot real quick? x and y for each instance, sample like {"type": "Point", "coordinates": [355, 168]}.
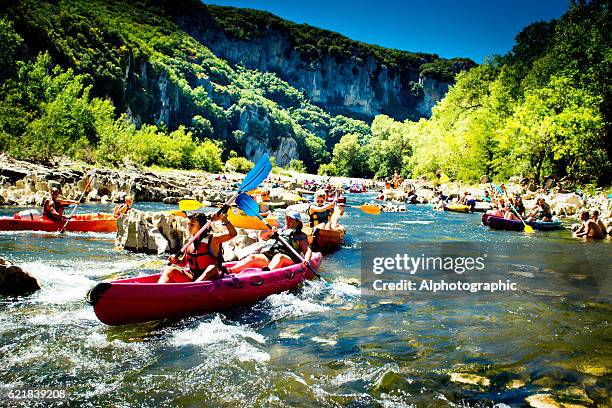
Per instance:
{"type": "Point", "coordinates": [350, 158]}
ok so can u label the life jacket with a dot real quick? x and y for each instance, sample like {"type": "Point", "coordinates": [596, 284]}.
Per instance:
{"type": "Point", "coordinates": [58, 208]}
{"type": "Point", "coordinates": [292, 237]}
{"type": "Point", "coordinates": [201, 257]}
{"type": "Point", "coordinates": [320, 217]}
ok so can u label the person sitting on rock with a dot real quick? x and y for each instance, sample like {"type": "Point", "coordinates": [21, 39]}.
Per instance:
{"type": "Point", "coordinates": [203, 259]}
{"type": "Point", "coordinates": [125, 207]}
{"type": "Point", "coordinates": [274, 254]}
{"type": "Point", "coordinates": [53, 206]}
{"type": "Point", "coordinates": [600, 223]}
{"type": "Point", "coordinates": [588, 228]}
{"type": "Point", "coordinates": [320, 213]}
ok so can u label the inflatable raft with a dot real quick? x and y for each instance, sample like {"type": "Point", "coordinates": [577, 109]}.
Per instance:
{"type": "Point", "coordinates": [500, 223]}
{"type": "Point", "coordinates": [78, 223]}
{"type": "Point", "coordinates": [457, 208]}
{"type": "Point", "coordinates": [142, 299]}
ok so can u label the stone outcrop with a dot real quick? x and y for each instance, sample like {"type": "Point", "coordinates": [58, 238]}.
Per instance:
{"type": "Point", "coordinates": [14, 281]}
{"type": "Point", "coordinates": [24, 183]}
{"type": "Point", "coordinates": [158, 233]}
{"type": "Point", "coordinates": [151, 232]}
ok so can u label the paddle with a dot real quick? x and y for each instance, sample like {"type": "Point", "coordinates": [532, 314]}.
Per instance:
{"type": "Point", "coordinates": [528, 229]}
{"type": "Point", "coordinates": [250, 208]}
{"type": "Point", "coordinates": [251, 180]}
{"type": "Point", "coordinates": [93, 172]}
{"type": "Point", "coordinates": [368, 209]}
{"type": "Point", "coordinates": [192, 205]}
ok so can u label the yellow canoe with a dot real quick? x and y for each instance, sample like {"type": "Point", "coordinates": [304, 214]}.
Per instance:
{"type": "Point", "coordinates": [457, 208]}
{"type": "Point", "coordinates": [240, 220]}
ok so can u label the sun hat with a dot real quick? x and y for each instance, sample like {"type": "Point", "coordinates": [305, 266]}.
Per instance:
{"type": "Point", "coordinates": [295, 215]}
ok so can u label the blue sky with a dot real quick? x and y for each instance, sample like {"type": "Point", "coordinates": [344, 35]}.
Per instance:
{"type": "Point", "coordinates": [459, 28]}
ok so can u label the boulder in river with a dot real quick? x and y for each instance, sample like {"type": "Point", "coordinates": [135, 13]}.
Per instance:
{"type": "Point", "coordinates": [151, 232]}
{"type": "Point", "coordinates": [15, 281]}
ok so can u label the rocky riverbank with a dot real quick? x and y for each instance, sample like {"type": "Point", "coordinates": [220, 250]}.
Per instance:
{"type": "Point", "coordinates": [23, 183]}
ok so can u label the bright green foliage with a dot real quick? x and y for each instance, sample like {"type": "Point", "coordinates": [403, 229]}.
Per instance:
{"type": "Point", "coordinates": [389, 148]}
{"type": "Point", "coordinates": [540, 109]}
{"type": "Point", "coordinates": [327, 170]}
{"type": "Point", "coordinates": [10, 42]}
{"type": "Point", "coordinates": [297, 165]}
{"type": "Point", "coordinates": [239, 164]}
{"type": "Point", "coordinates": [161, 78]}
{"type": "Point", "coordinates": [350, 158]}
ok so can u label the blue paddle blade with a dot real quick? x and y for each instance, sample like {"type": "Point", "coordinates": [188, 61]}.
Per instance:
{"type": "Point", "coordinates": [257, 174]}
{"type": "Point", "coordinates": [498, 188]}
{"type": "Point", "coordinates": [246, 203]}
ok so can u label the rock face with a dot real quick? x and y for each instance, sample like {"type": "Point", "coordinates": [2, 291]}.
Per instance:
{"type": "Point", "coordinates": [358, 85]}
{"type": "Point", "coordinates": [159, 233]}
{"type": "Point", "coordinates": [24, 183]}
{"type": "Point", "coordinates": [156, 233]}
{"type": "Point", "coordinates": [15, 281]}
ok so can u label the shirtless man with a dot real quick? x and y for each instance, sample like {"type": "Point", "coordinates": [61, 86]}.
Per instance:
{"type": "Point", "coordinates": [53, 207]}
{"type": "Point", "coordinates": [599, 222]}
{"type": "Point", "coordinates": [588, 228]}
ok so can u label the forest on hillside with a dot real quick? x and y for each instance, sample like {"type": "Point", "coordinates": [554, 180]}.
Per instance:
{"type": "Point", "coordinates": [542, 109]}
{"type": "Point", "coordinates": [76, 80]}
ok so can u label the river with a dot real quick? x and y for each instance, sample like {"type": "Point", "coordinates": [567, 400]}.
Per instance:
{"type": "Point", "coordinates": [325, 344]}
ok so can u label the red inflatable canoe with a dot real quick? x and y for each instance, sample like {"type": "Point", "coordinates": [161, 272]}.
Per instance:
{"type": "Point", "coordinates": [142, 299]}
{"type": "Point", "coordinates": [78, 223]}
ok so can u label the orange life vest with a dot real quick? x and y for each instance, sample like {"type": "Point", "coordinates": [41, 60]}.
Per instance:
{"type": "Point", "coordinates": [199, 257]}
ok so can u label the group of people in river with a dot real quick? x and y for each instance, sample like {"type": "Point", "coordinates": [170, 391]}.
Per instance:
{"type": "Point", "coordinates": [203, 258]}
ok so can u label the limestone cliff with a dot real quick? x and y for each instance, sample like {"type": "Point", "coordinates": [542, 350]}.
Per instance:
{"type": "Point", "coordinates": [336, 73]}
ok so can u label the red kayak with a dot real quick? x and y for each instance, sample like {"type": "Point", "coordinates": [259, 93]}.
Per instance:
{"type": "Point", "coordinates": [78, 223]}
{"type": "Point", "coordinates": [142, 299]}
{"type": "Point", "coordinates": [358, 189]}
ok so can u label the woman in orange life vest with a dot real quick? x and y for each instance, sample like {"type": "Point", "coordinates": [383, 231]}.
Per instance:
{"type": "Point", "coordinates": [125, 207]}
{"type": "Point", "coordinates": [53, 207]}
{"type": "Point", "coordinates": [203, 257]}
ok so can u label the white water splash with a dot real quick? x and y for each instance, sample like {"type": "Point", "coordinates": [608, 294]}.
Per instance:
{"type": "Point", "coordinates": [285, 305]}
{"type": "Point", "coordinates": [228, 337]}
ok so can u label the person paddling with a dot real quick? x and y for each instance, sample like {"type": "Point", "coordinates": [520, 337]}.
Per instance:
{"type": "Point", "coordinates": [203, 258]}
{"type": "Point", "coordinates": [53, 206]}
{"type": "Point", "coordinates": [276, 254]}
{"type": "Point", "coordinates": [320, 213]}
{"type": "Point", "coordinates": [125, 207]}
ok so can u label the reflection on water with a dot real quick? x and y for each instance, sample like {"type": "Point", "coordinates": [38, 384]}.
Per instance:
{"type": "Point", "coordinates": [324, 345]}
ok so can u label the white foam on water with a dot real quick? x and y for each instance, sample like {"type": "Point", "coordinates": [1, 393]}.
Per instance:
{"type": "Point", "coordinates": [100, 341]}
{"type": "Point", "coordinates": [58, 285]}
{"type": "Point", "coordinates": [321, 340]}
{"type": "Point", "coordinates": [288, 305]}
{"type": "Point", "coordinates": [416, 222]}
{"type": "Point", "coordinates": [345, 289]}
{"type": "Point", "coordinates": [62, 318]}
{"type": "Point", "coordinates": [228, 337]}
{"type": "Point", "coordinates": [68, 282]}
